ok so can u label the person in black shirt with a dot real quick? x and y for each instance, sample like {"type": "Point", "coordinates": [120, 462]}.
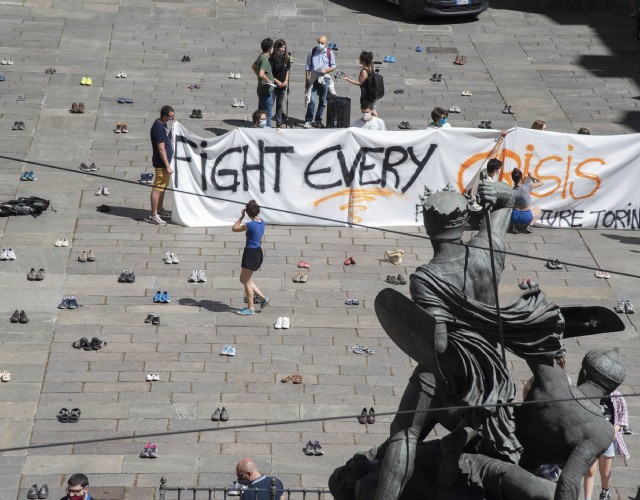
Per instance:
{"type": "Point", "coordinates": [280, 66]}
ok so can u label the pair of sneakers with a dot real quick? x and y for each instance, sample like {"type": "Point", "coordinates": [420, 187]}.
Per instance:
{"type": "Point", "coordinates": [28, 176]}
{"type": "Point", "coordinates": [7, 254]}
{"type": "Point", "coordinates": [88, 168]}
{"type": "Point", "coordinates": [236, 76]}
{"type": "Point", "coordinates": [171, 258]}
{"type": "Point", "coordinates": [150, 450]}
{"type": "Point", "coordinates": [69, 303]}
{"type": "Point", "coordinates": [282, 323]}
{"type": "Point", "coordinates": [86, 81]}
{"type": "Point", "coordinates": [102, 190]}
{"type": "Point", "coordinates": [624, 306]}
{"type": "Point", "coordinates": [153, 318]}
{"type": "Point", "coordinates": [6, 61]}
{"type": "Point", "coordinates": [220, 415]}
{"type": "Point", "coordinates": [61, 242]}
{"type": "Point", "coordinates": [146, 178]}
{"type": "Point", "coordinates": [153, 377]}
{"type": "Point", "coordinates": [161, 297]}
{"type": "Point", "coordinates": [228, 350]}
{"type": "Point", "coordinates": [86, 256]}
{"type": "Point", "coordinates": [127, 276]}
{"type": "Point", "coordinates": [19, 317]}
{"type": "Point", "coordinates": [35, 276]}
{"type": "Point", "coordinates": [197, 276]}
{"type": "Point", "coordinates": [313, 448]}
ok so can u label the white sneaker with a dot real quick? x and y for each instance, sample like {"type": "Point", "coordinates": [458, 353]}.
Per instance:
{"type": "Point", "coordinates": [202, 278]}
{"type": "Point", "coordinates": [232, 75]}
{"type": "Point", "coordinates": [279, 322]}
{"type": "Point", "coordinates": [3, 254]}
{"type": "Point", "coordinates": [194, 277]}
{"type": "Point", "coordinates": [58, 243]}
{"type": "Point", "coordinates": [156, 377]}
{"type": "Point", "coordinates": [174, 258]}
{"type": "Point", "coordinates": [149, 377]}
{"type": "Point", "coordinates": [11, 255]}
{"type": "Point", "coordinates": [3, 62]}
{"type": "Point", "coordinates": [119, 75]}
{"type": "Point", "coordinates": [157, 220]}
{"type": "Point", "coordinates": [241, 103]}
{"type": "Point", "coordinates": [237, 76]}
{"type": "Point", "coordinates": [124, 75]}
{"type": "Point", "coordinates": [99, 191]}
{"type": "Point", "coordinates": [307, 125]}
{"type": "Point", "coordinates": [225, 350]}
{"type": "Point", "coordinates": [168, 258]}
{"type": "Point", "coordinates": [65, 243]}
{"type": "Point", "coordinates": [231, 351]}
{"type": "Point", "coordinates": [235, 102]}
{"type": "Point", "coordinates": [286, 323]}
{"type": "Point", "coordinates": [9, 61]}
{"type": "Point", "coordinates": [105, 190]}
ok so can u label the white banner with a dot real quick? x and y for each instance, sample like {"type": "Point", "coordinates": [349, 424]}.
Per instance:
{"type": "Point", "coordinates": [340, 176]}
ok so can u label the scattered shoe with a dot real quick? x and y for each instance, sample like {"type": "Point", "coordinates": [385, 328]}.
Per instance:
{"type": "Point", "coordinates": [194, 277]}
{"type": "Point", "coordinates": [40, 275]}
{"type": "Point", "coordinates": [31, 275]}
{"type": "Point", "coordinates": [363, 416]}
{"type": "Point", "coordinates": [91, 257]}
{"type": "Point", "coordinates": [224, 415]}
{"type": "Point", "coordinates": [157, 298]}
{"type": "Point", "coordinates": [352, 302]}
{"type": "Point", "coordinates": [602, 274]}
{"type": "Point", "coordinates": [145, 451]}
{"type": "Point", "coordinates": [317, 447]}
{"type": "Point", "coordinates": [286, 323]}
{"type": "Point", "coordinates": [628, 307]}
{"type": "Point", "coordinates": [33, 491]}
{"type": "Point", "coordinates": [308, 449]}
{"type": "Point", "coordinates": [216, 415]}
{"type": "Point", "coordinates": [82, 257]}
{"type": "Point", "coordinates": [371, 417]}
{"type": "Point", "coordinates": [278, 324]}
{"type": "Point", "coordinates": [73, 303]}
{"type": "Point", "coordinates": [65, 303]}
{"type": "Point", "coordinates": [619, 308]}
{"type": "Point", "coordinates": [304, 264]}
{"type": "Point", "coordinates": [466, 93]}
{"type": "Point", "coordinates": [202, 278]}
{"type": "Point", "coordinates": [165, 299]}
{"type": "Point", "coordinates": [522, 283]}
{"type": "Point", "coordinates": [15, 317]}
{"type": "Point", "coordinates": [153, 449]}
{"type": "Point", "coordinates": [155, 321]}
{"type": "Point", "coordinates": [186, 59]}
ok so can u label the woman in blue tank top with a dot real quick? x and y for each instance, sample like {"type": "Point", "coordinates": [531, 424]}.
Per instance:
{"type": "Point", "coordinates": [252, 256]}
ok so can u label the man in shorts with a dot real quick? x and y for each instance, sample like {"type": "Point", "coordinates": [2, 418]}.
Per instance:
{"type": "Point", "coordinates": [162, 155]}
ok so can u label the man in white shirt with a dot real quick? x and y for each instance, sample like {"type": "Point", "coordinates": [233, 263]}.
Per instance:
{"type": "Point", "coordinates": [367, 121]}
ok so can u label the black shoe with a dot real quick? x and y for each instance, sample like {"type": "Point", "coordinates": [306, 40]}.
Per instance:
{"type": "Point", "coordinates": [363, 416]}
{"type": "Point", "coordinates": [15, 317]}
{"type": "Point", "coordinates": [23, 317]}
{"type": "Point", "coordinates": [131, 277]}
{"type": "Point", "coordinates": [216, 415]}
{"type": "Point", "coordinates": [85, 344]}
{"type": "Point", "coordinates": [318, 124]}
{"type": "Point", "coordinates": [43, 492]}
{"type": "Point", "coordinates": [224, 416]}
{"type": "Point", "coordinates": [15, 127]}
{"type": "Point", "coordinates": [184, 59]}
{"type": "Point", "coordinates": [40, 275]}
{"type": "Point", "coordinates": [198, 113]}
{"type": "Point", "coordinates": [96, 343]}
{"type": "Point", "coordinates": [149, 318]}
{"type": "Point", "coordinates": [371, 418]}
{"type": "Point", "coordinates": [31, 275]}
{"type": "Point", "coordinates": [123, 277]}
{"type": "Point", "coordinates": [193, 113]}
{"type": "Point", "coordinates": [155, 320]}
{"type": "Point", "coordinates": [33, 492]}
{"type": "Point", "coordinates": [21, 126]}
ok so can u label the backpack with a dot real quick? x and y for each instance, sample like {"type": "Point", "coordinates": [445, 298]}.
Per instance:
{"type": "Point", "coordinates": [315, 50]}
{"type": "Point", "coordinates": [373, 86]}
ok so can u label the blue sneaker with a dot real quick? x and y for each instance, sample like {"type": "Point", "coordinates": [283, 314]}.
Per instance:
{"type": "Point", "coordinates": [73, 303]}
{"type": "Point", "coordinates": [264, 302]}
{"type": "Point", "coordinates": [392, 59]}
{"type": "Point", "coordinates": [245, 312]}
{"type": "Point", "coordinates": [64, 304]}
{"type": "Point", "coordinates": [165, 297]}
{"type": "Point", "coordinates": [157, 297]}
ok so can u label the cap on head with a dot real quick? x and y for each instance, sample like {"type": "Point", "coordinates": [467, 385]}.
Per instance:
{"type": "Point", "coordinates": [444, 212]}
{"type": "Point", "coordinates": [603, 368]}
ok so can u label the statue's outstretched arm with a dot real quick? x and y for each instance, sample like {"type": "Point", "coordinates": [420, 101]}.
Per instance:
{"type": "Point", "coordinates": [570, 481]}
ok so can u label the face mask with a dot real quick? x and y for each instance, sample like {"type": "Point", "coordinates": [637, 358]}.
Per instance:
{"type": "Point", "coordinates": [170, 123]}
{"type": "Point", "coordinates": [441, 122]}
{"type": "Point", "coordinates": [244, 482]}
{"type": "Point", "coordinates": [321, 46]}
{"type": "Point", "coordinates": [366, 116]}
{"type": "Point", "coordinates": [262, 124]}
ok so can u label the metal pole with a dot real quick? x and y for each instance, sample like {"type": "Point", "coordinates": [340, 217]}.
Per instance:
{"type": "Point", "coordinates": [272, 490]}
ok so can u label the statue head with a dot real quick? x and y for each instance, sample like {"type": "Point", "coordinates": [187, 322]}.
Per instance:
{"type": "Point", "coordinates": [444, 212]}
{"type": "Point", "coordinates": [603, 369]}
{"type": "Point", "coordinates": [342, 483]}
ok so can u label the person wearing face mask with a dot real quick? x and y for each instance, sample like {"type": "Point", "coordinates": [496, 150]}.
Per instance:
{"type": "Point", "coordinates": [162, 145]}
{"type": "Point", "coordinates": [320, 62]}
{"type": "Point", "coordinates": [440, 118]}
{"type": "Point", "coordinates": [280, 66]}
{"type": "Point", "coordinates": [259, 118]}
{"type": "Point", "coordinates": [249, 477]}
{"type": "Point", "coordinates": [78, 488]}
{"type": "Point", "coordinates": [266, 84]}
{"type": "Point", "coordinates": [367, 121]}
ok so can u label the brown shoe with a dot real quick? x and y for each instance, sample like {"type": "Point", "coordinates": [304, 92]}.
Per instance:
{"type": "Point", "coordinates": [118, 128]}
{"type": "Point", "coordinates": [74, 107]}
{"type": "Point", "coordinates": [81, 107]}
{"type": "Point", "coordinates": [124, 129]}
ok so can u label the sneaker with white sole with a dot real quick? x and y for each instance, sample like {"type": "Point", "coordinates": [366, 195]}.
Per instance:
{"type": "Point", "coordinates": [155, 219]}
{"type": "Point", "coordinates": [279, 322]}
{"type": "Point", "coordinates": [174, 257]}
{"type": "Point", "coordinates": [65, 242]}
{"type": "Point", "coordinates": [194, 277]}
{"type": "Point", "coordinates": [202, 278]}
{"type": "Point", "coordinates": [286, 323]}
{"type": "Point", "coordinates": [3, 254]}
{"type": "Point", "coordinates": [168, 258]}
{"type": "Point", "coordinates": [225, 350]}
{"type": "Point", "coordinates": [231, 351]}
{"type": "Point", "coordinates": [99, 191]}
{"type": "Point", "coordinates": [307, 125]}
{"type": "Point", "coordinates": [11, 255]}
{"type": "Point", "coordinates": [105, 191]}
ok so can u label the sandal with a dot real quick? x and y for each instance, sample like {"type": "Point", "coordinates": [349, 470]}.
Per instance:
{"type": "Point", "coordinates": [74, 415]}
{"type": "Point", "coordinates": [347, 261]}
{"type": "Point", "coordinates": [401, 279]}
{"type": "Point", "coordinates": [392, 279]}
{"type": "Point", "coordinates": [63, 416]}
{"type": "Point", "coordinates": [286, 379]}
{"type": "Point", "coordinates": [296, 379]}
{"type": "Point", "coordinates": [304, 264]}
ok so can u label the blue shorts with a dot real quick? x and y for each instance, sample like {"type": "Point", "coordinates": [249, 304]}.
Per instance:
{"type": "Point", "coordinates": [524, 217]}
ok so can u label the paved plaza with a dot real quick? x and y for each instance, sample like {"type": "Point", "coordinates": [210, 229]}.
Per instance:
{"type": "Point", "coordinates": [572, 66]}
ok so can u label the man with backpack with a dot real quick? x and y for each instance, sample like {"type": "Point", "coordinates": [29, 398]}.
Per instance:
{"type": "Point", "coordinates": [320, 62]}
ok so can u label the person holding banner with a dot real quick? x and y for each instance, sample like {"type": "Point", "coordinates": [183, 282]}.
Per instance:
{"type": "Point", "coordinates": [252, 256]}
{"type": "Point", "coordinates": [523, 216]}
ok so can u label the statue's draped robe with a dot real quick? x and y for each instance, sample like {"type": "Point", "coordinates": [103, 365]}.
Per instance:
{"type": "Point", "coordinates": [532, 328]}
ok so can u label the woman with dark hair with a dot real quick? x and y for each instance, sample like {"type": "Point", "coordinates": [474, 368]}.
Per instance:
{"type": "Point", "coordinates": [539, 125]}
{"type": "Point", "coordinates": [523, 215]}
{"type": "Point", "coordinates": [252, 256]}
{"type": "Point", "coordinates": [259, 118]}
{"type": "Point", "coordinates": [366, 62]}
{"type": "Point", "coordinates": [280, 66]}
{"type": "Point", "coordinates": [439, 118]}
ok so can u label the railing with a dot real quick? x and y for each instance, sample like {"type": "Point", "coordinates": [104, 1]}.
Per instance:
{"type": "Point", "coordinates": [209, 492]}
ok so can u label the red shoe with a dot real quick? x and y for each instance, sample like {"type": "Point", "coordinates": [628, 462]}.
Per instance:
{"type": "Point", "coordinates": [353, 261]}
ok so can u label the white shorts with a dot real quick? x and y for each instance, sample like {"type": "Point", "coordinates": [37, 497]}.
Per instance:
{"type": "Point", "coordinates": [610, 452]}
